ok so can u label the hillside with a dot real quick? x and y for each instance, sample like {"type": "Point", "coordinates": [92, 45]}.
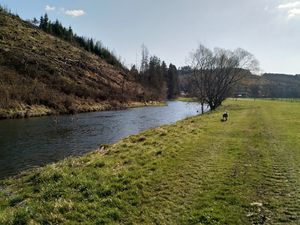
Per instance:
{"type": "Point", "coordinates": [41, 74]}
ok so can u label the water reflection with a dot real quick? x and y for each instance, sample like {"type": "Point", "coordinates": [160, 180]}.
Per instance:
{"type": "Point", "coordinates": [36, 141]}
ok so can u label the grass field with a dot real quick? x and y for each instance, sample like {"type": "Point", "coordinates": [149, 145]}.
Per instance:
{"type": "Point", "coordinates": [197, 171]}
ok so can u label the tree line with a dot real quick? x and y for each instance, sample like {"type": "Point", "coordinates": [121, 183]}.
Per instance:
{"type": "Point", "coordinates": [269, 86]}
{"type": "Point", "coordinates": [214, 73]}
{"type": "Point", "coordinates": [155, 75]}
{"type": "Point", "coordinates": [67, 34]}
{"type": "Point", "coordinates": [152, 73]}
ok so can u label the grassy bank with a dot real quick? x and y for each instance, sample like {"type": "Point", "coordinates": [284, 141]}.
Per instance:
{"type": "Point", "coordinates": [26, 111]}
{"type": "Point", "coordinates": [197, 171]}
{"type": "Point", "coordinates": [186, 99]}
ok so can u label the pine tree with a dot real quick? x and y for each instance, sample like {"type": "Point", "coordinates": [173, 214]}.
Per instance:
{"type": "Point", "coordinates": [172, 82]}
{"type": "Point", "coordinates": [35, 21]}
{"type": "Point", "coordinates": [70, 34]}
{"type": "Point", "coordinates": [42, 22]}
{"type": "Point", "coordinates": [135, 73]}
{"type": "Point", "coordinates": [164, 70]}
{"type": "Point", "coordinates": [67, 34]}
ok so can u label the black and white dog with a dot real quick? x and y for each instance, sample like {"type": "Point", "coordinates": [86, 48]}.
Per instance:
{"type": "Point", "coordinates": [225, 116]}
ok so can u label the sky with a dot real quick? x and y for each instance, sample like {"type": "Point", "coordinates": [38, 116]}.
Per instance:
{"type": "Point", "coordinates": [172, 29]}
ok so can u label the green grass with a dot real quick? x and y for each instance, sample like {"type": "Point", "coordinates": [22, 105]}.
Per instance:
{"type": "Point", "coordinates": [197, 171]}
{"type": "Point", "coordinates": [186, 99]}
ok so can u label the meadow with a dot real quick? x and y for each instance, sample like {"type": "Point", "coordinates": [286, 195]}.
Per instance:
{"type": "Point", "coordinates": [197, 171]}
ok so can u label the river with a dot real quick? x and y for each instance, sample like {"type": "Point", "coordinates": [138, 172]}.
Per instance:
{"type": "Point", "coordinates": [33, 142]}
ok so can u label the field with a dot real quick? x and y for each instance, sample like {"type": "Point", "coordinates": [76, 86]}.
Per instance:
{"type": "Point", "coordinates": [197, 171]}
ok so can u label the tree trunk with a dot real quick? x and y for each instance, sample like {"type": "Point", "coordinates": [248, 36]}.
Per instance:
{"type": "Point", "coordinates": [212, 106]}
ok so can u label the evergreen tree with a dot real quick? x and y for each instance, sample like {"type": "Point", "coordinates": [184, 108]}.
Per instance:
{"type": "Point", "coordinates": [155, 72]}
{"type": "Point", "coordinates": [70, 34]}
{"type": "Point", "coordinates": [135, 73]}
{"type": "Point", "coordinates": [45, 23]}
{"type": "Point", "coordinates": [35, 21]}
{"type": "Point", "coordinates": [164, 70]}
{"type": "Point", "coordinates": [67, 34]}
{"type": "Point", "coordinates": [156, 77]}
{"type": "Point", "coordinates": [172, 82]}
{"type": "Point", "coordinates": [41, 22]}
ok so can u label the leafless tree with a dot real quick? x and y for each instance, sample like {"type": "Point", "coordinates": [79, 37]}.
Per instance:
{"type": "Point", "coordinates": [216, 72]}
{"type": "Point", "coordinates": [145, 58]}
{"type": "Point", "coordinates": [201, 60]}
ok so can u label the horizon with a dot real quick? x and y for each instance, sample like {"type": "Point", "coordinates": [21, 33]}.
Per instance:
{"type": "Point", "coordinates": [227, 25]}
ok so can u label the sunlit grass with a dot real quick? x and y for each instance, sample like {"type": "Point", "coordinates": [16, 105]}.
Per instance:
{"type": "Point", "coordinates": [186, 99]}
{"type": "Point", "coordinates": [196, 171]}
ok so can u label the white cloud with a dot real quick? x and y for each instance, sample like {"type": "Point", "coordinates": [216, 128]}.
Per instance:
{"type": "Point", "coordinates": [288, 5]}
{"type": "Point", "coordinates": [75, 13]}
{"type": "Point", "coordinates": [292, 9]}
{"type": "Point", "coordinates": [50, 8]}
{"type": "Point", "coordinates": [294, 12]}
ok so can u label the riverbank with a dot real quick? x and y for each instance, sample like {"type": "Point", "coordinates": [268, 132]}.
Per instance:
{"type": "Point", "coordinates": [186, 99]}
{"type": "Point", "coordinates": [196, 171]}
{"type": "Point", "coordinates": [26, 111]}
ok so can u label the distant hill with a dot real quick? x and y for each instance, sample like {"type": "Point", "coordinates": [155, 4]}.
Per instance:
{"type": "Point", "coordinates": [42, 74]}
{"type": "Point", "coordinates": [270, 86]}
{"type": "Point", "coordinates": [267, 85]}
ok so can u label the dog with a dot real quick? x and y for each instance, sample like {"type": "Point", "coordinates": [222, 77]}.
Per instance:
{"type": "Point", "coordinates": [225, 116]}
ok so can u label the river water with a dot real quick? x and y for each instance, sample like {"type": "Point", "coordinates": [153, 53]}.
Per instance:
{"type": "Point", "coordinates": [28, 143]}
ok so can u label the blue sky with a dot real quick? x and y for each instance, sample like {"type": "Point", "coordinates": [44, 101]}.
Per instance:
{"type": "Point", "coordinates": [171, 29]}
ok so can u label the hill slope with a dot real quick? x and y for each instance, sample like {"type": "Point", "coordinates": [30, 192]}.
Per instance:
{"type": "Point", "coordinates": [42, 74]}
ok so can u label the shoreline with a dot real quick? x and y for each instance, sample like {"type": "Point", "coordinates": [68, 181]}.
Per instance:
{"type": "Point", "coordinates": [26, 111]}
{"type": "Point", "coordinates": [78, 145]}
{"type": "Point", "coordinates": [103, 149]}
{"type": "Point", "coordinates": [197, 169]}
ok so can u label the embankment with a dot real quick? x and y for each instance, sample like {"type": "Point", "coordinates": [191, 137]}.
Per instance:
{"type": "Point", "coordinates": [26, 111]}
{"type": "Point", "coordinates": [196, 171]}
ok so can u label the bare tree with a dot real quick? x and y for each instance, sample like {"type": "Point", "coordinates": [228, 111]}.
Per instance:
{"type": "Point", "coordinates": [216, 72]}
{"type": "Point", "coordinates": [201, 61]}
{"type": "Point", "coordinates": [145, 58]}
